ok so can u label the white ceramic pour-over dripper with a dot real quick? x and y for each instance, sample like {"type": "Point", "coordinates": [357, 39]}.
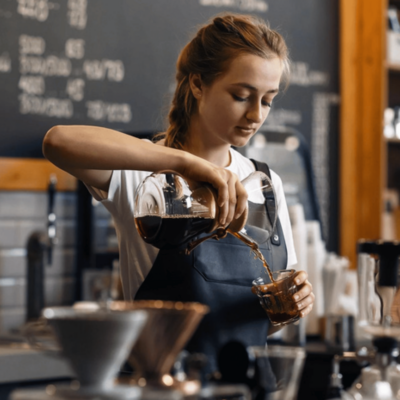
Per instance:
{"type": "Point", "coordinates": [168, 328]}
{"type": "Point", "coordinates": [95, 342]}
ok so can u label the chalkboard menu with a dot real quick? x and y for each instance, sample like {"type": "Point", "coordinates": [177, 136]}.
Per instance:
{"type": "Point", "coordinates": [112, 63]}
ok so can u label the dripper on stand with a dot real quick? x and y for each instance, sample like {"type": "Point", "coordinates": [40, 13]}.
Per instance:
{"type": "Point", "coordinates": [379, 320]}
{"type": "Point", "coordinates": [169, 327]}
{"type": "Point", "coordinates": [95, 342]}
{"type": "Point", "coordinates": [379, 299]}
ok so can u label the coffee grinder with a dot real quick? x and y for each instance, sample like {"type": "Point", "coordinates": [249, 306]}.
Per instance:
{"type": "Point", "coordinates": [379, 320]}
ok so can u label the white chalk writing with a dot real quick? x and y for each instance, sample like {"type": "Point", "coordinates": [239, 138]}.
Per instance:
{"type": "Point", "coordinates": [48, 66]}
{"type": "Point", "coordinates": [31, 45]}
{"type": "Point", "coordinates": [75, 89]}
{"type": "Point", "coordinates": [112, 112]}
{"type": "Point", "coordinates": [50, 107]}
{"type": "Point", "coordinates": [301, 75]}
{"type": "Point", "coordinates": [243, 5]}
{"type": "Point", "coordinates": [320, 152]}
{"type": "Point", "coordinates": [32, 84]}
{"type": "Point", "coordinates": [99, 69]}
{"type": "Point", "coordinates": [36, 65]}
{"type": "Point", "coordinates": [5, 63]}
{"type": "Point", "coordinates": [75, 48]}
{"type": "Point", "coordinates": [77, 15]}
{"type": "Point", "coordinates": [35, 9]}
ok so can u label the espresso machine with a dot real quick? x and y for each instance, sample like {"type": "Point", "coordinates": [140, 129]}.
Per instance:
{"type": "Point", "coordinates": [378, 325]}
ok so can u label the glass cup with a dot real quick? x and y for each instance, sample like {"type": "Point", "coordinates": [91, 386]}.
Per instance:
{"type": "Point", "coordinates": [277, 298]}
{"type": "Point", "coordinates": [279, 370]}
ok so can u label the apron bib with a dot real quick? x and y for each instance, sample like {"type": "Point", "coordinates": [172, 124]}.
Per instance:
{"type": "Point", "coordinates": [219, 274]}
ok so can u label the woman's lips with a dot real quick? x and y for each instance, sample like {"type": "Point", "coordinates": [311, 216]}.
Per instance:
{"type": "Point", "coordinates": [245, 130]}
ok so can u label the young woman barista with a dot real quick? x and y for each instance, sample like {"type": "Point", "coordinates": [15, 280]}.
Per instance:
{"type": "Point", "coordinates": [227, 77]}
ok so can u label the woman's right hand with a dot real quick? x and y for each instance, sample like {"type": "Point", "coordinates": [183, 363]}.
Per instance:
{"type": "Point", "coordinates": [232, 196]}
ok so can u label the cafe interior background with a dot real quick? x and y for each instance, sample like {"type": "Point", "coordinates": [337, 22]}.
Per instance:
{"type": "Point", "coordinates": [333, 136]}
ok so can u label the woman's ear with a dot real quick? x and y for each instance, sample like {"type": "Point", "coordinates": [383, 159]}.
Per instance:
{"type": "Point", "coordinates": [196, 85]}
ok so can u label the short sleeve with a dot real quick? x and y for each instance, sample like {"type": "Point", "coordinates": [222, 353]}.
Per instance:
{"type": "Point", "coordinates": [120, 198]}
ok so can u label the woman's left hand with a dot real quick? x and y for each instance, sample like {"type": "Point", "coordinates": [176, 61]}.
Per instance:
{"type": "Point", "coordinates": [304, 298]}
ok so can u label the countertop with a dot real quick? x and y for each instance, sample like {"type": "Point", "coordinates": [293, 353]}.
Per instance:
{"type": "Point", "coordinates": [19, 363]}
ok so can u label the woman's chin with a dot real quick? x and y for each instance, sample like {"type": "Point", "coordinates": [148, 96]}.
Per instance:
{"type": "Point", "coordinates": [240, 142]}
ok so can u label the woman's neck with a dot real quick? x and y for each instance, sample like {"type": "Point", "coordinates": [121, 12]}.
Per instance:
{"type": "Point", "coordinates": [218, 154]}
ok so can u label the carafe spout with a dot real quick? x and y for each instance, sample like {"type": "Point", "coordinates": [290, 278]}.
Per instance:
{"type": "Point", "coordinates": [217, 235]}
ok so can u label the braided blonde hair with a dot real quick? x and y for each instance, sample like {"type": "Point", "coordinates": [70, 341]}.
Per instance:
{"type": "Point", "coordinates": [209, 54]}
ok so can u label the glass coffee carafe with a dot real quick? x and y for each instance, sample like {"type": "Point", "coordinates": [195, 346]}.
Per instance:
{"type": "Point", "coordinates": [171, 212]}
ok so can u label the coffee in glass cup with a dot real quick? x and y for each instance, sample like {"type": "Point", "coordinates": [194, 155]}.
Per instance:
{"type": "Point", "coordinates": [277, 297]}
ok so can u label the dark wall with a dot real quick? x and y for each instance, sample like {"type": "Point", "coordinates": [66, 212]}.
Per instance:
{"type": "Point", "coordinates": [111, 63]}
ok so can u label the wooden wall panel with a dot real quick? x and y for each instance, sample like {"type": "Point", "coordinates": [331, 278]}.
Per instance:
{"type": "Point", "coordinates": [32, 174]}
{"type": "Point", "coordinates": [348, 123]}
{"type": "Point", "coordinates": [363, 99]}
{"type": "Point", "coordinates": [373, 104]}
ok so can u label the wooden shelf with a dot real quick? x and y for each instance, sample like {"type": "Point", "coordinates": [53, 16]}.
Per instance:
{"type": "Point", "coordinates": [32, 174]}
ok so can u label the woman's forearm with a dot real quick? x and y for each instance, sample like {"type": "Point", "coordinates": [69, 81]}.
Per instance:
{"type": "Point", "coordinates": [91, 147]}
{"type": "Point", "coordinates": [91, 153]}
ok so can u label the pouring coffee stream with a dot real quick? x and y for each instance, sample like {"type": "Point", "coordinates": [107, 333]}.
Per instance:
{"type": "Point", "coordinates": [254, 247]}
{"type": "Point", "coordinates": [221, 233]}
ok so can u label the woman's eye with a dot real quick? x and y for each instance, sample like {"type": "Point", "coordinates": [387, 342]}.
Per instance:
{"type": "Point", "coordinates": [238, 98]}
{"type": "Point", "coordinates": [265, 103]}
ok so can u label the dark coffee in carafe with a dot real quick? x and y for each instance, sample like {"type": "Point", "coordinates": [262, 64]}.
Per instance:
{"type": "Point", "coordinates": [171, 229]}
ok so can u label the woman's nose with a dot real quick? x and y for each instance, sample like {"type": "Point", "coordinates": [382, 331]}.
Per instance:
{"type": "Point", "coordinates": [255, 113]}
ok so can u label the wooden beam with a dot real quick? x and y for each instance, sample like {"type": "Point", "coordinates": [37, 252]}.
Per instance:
{"type": "Point", "coordinates": [372, 165]}
{"type": "Point", "coordinates": [32, 174]}
{"type": "Point", "coordinates": [348, 123]}
{"type": "Point", "coordinates": [363, 99]}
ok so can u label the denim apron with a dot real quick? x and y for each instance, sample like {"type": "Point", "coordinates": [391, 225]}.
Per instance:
{"type": "Point", "coordinates": [219, 273]}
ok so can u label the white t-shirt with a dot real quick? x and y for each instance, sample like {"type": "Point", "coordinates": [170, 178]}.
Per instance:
{"type": "Point", "coordinates": [136, 256]}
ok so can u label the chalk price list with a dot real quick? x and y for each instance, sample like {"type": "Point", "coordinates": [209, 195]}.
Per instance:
{"type": "Point", "coordinates": [35, 65]}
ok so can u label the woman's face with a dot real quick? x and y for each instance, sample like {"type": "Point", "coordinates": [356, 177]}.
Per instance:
{"type": "Point", "coordinates": [236, 104]}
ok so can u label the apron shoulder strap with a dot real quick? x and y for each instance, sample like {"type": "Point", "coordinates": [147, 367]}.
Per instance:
{"type": "Point", "coordinates": [270, 200]}
{"type": "Point", "coordinates": [261, 166]}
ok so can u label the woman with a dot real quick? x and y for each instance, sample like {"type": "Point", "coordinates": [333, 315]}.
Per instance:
{"type": "Point", "coordinates": [227, 78]}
